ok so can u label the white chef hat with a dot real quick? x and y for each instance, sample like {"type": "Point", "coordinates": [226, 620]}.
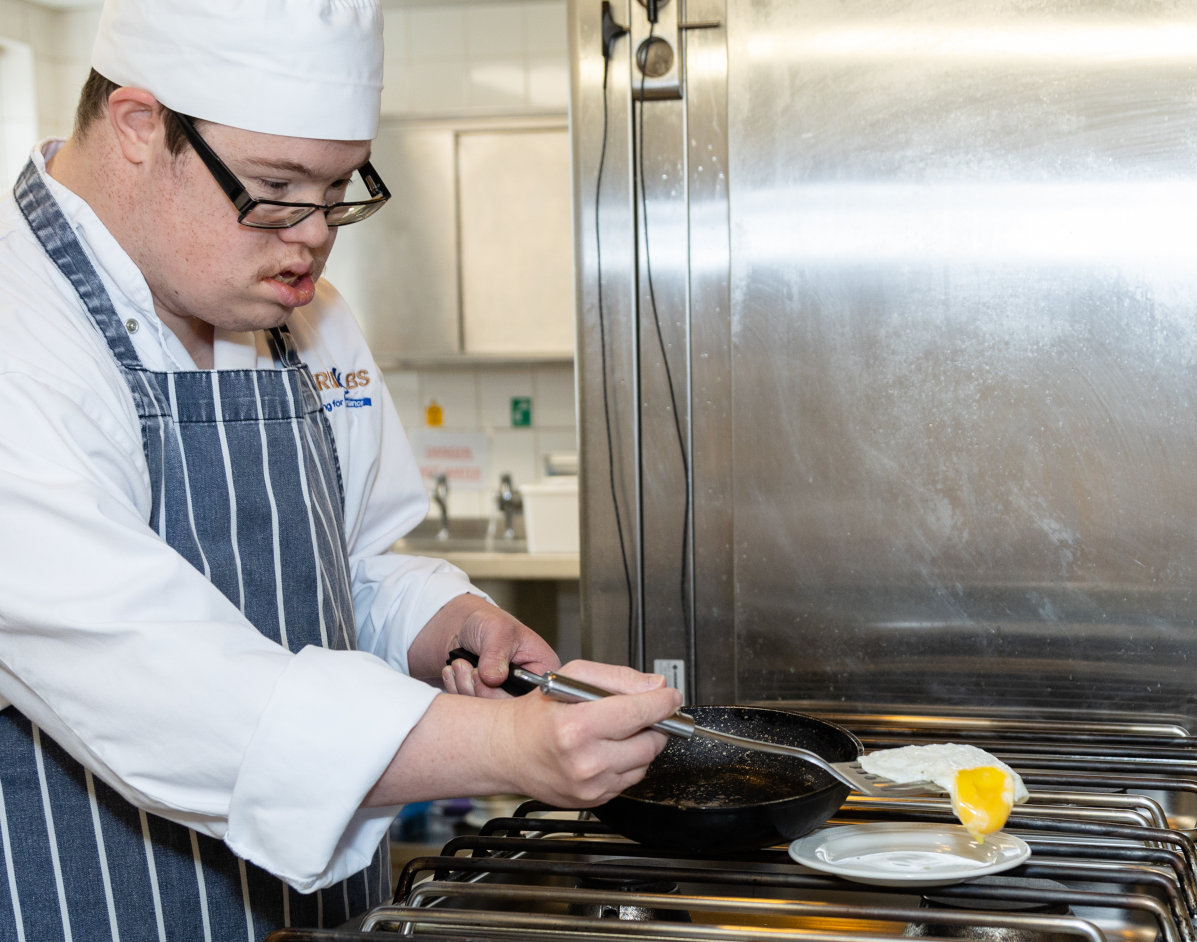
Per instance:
{"type": "Point", "coordinates": [301, 68]}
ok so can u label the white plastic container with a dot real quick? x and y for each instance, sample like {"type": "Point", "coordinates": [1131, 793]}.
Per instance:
{"type": "Point", "coordinates": [551, 515]}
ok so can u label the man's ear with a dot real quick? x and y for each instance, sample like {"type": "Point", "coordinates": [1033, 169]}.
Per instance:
{"type": "Point", "coordinates": [136, 119]}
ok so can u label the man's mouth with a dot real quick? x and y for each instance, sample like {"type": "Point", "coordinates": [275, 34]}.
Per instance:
{"type": "Point", "coordinates": [294, 288]}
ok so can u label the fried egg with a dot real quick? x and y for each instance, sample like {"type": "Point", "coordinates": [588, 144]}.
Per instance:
{"type": "Point", "coordinates": [983, 789]}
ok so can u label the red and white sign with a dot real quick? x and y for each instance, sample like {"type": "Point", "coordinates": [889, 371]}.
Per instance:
{"type": "Point", "coordinates": [461, 456]}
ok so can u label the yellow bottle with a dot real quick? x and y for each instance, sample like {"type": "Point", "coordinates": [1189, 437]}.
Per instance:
{"type": "Point", "coordinates": [434, 415]}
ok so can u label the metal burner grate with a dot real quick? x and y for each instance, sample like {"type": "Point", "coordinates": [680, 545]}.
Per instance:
{"type": "Point", "coordinates": [1108, 862]}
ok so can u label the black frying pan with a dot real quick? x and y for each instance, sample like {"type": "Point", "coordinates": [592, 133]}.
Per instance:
{"type": "Point", "coordinates": [701, 794]}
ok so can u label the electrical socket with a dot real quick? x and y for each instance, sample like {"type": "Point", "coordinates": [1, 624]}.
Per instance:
{"type": "Point", "coordinates": [674, 671]}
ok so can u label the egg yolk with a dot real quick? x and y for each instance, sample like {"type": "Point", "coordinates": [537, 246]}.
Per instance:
{"type": "Point", "coordinates": [982, 799]}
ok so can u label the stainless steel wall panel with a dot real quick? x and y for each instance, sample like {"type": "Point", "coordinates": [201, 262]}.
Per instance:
{"type": "Point", "coordinates": [964, 338]}
{"type": "Point", "coordinates": [939, 344]}
{"type": "Point", "coordinates": [649, 348]}
{"type": "Point", "coordinates": [664, 363]}
{"type": "Point", "coordinates": [608, 427]}
{"type": "Point", "coordinates": [713, 652]}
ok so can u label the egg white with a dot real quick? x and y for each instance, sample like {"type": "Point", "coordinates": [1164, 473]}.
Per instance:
{"type": "Point", "coordinates": [940, 763]}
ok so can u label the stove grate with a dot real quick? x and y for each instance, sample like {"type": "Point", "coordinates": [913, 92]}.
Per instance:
{"type": "Point", "coordinates": [1111, 858]}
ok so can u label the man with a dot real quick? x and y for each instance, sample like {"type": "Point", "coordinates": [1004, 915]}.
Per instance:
{"type": "Point", "coordinates": [215, 677]}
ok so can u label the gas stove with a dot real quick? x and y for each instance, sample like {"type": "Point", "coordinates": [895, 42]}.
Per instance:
{"type": "Point", "coordinates": [1109, 824]}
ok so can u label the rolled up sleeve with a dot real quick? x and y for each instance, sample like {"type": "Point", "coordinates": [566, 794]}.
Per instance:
{"type": "Point", "coordinates": [331, 747]}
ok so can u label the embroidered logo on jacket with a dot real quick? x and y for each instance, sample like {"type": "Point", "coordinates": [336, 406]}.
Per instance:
{"type": "Point", "coordinates": [333, 379]}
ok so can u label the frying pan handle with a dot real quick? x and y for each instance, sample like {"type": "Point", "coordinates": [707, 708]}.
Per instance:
{"type": "Point", "coordinates": [512, 684]}
{"type": "Point", "coordinates": [571, 690]}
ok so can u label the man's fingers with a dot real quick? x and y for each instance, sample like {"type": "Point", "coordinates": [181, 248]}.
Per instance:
{"type": "Point", "coordinates": [614, 677]}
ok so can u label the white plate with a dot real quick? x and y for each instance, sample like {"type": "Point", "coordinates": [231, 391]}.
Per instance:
{"type": "Point", "coordinates": [895, 854]}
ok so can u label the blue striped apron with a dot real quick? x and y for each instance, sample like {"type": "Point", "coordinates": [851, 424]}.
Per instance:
{"type": "Point", "coordinates": [246, 487]}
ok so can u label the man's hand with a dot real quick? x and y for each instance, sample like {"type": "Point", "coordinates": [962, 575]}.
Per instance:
{"type": "Point", "coordinates": [571, 755]}
{"type": "Point", "coordinates": [577, 755]}
{"type": "Point", "coordinates": [499, 639]}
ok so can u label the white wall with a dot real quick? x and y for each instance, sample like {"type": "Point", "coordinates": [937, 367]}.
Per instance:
{"type": "Point", "coordinates": [18, 110]}
{"type": "Point", "coordinates": [449, 59]}
{"type": "Point", "coordinates": [444, 59]}
{"type": "Point", "coordinates": [468, 58]}
{"type": "Point", "coordinates": [61, 42]}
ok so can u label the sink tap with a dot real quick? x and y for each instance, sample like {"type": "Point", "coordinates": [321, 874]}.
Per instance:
{"type": "Point", "coordinates": [441, 497]}
{"type": "Point", "coordinates": [510, 502]}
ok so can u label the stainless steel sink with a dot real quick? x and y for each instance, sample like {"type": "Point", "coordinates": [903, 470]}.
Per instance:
{"type": "Point", "coordinates": [465, 535]}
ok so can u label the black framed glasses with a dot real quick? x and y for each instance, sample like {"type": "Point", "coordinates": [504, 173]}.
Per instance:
{"type": "Point", "coordinates": [274, 214]}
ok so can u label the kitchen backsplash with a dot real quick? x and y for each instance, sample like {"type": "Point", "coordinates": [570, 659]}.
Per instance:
{"type": "Point", "coordinates": [444, 59]}
{"type": "Point", "coordinates": [477, 401]}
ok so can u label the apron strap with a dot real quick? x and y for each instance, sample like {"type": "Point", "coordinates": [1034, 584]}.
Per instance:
{"type": "Point", "coordinates": [53, 231]}
{"type": "Point", "coordinates": [284, 349]}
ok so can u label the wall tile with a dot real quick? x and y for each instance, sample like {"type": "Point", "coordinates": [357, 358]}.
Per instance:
{"type": "Point", "coordinates": [513, 451]}
{"type": "Point", "coordinates": [437, 33]}
{"type": "Point", "coordinates": [456, 392]}
{"type": "Point", "coordinates": [475, 57]}
{"type": "Point", "coordinates": [18, 96]}
{"type": "Point", "coordinates": [553, 397]}
{"type": "Point", "coordinates": [496, 29]}
{"type": "Point", "coordinates": [437, 86]}
{"type": "Point", "coordinates": [495, 391]}
{"type": "Point", "coordinates": [404, 388]}
{"type": "Point", "coordinates": [76, 32]}
{"type": "Point", "coordinates": [496, 83]}
{"type": "Point", "coordinates": [18, 107]}
{"type": "Point", "coordinates": [14, 20]}
{"type": "Point", "coordinates": [396, 77]}
{"type": "Point", "coordinates": [396, 36]}
{"type": "Point", "coordinates": [468, 503]}
{"type": "Point", "coordinates": [548, 83]}
{"type": "Point", "coordinates": [397, 85]}
{"type": "Point", "coordinates": [546, 29]}
{"type": "Point", "coordinates": [15, 136]}
{"type": "Point", "coordinates": [50, 116]}
{"type": "Point", "coordinates": [69, 77]}
{"type": "Point", "coordinates": [48, 33]}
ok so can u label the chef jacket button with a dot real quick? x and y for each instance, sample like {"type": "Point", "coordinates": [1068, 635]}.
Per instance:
{"type": "Point", "coordinates": [131, 325]}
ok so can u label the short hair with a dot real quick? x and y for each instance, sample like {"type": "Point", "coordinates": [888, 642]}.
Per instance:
{"type": "Point", "coordinates": [93, 103]}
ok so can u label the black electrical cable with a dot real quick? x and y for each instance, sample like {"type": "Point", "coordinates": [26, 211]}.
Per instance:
{"type": "Point", "coordinates": [598, 252]}
{"type": "Point", "coordinates": [652, 298]}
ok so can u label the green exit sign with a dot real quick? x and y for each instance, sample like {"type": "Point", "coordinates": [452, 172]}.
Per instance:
{"type": "Point", "coordinates": [521, 411]}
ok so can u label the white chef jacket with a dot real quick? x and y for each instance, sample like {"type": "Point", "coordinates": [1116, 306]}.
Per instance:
{"type": "Point", "coordinates": [123, 652]}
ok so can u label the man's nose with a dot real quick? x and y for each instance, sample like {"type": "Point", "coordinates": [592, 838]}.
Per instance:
{"type": "Point", "coordinates": [313, 231]}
